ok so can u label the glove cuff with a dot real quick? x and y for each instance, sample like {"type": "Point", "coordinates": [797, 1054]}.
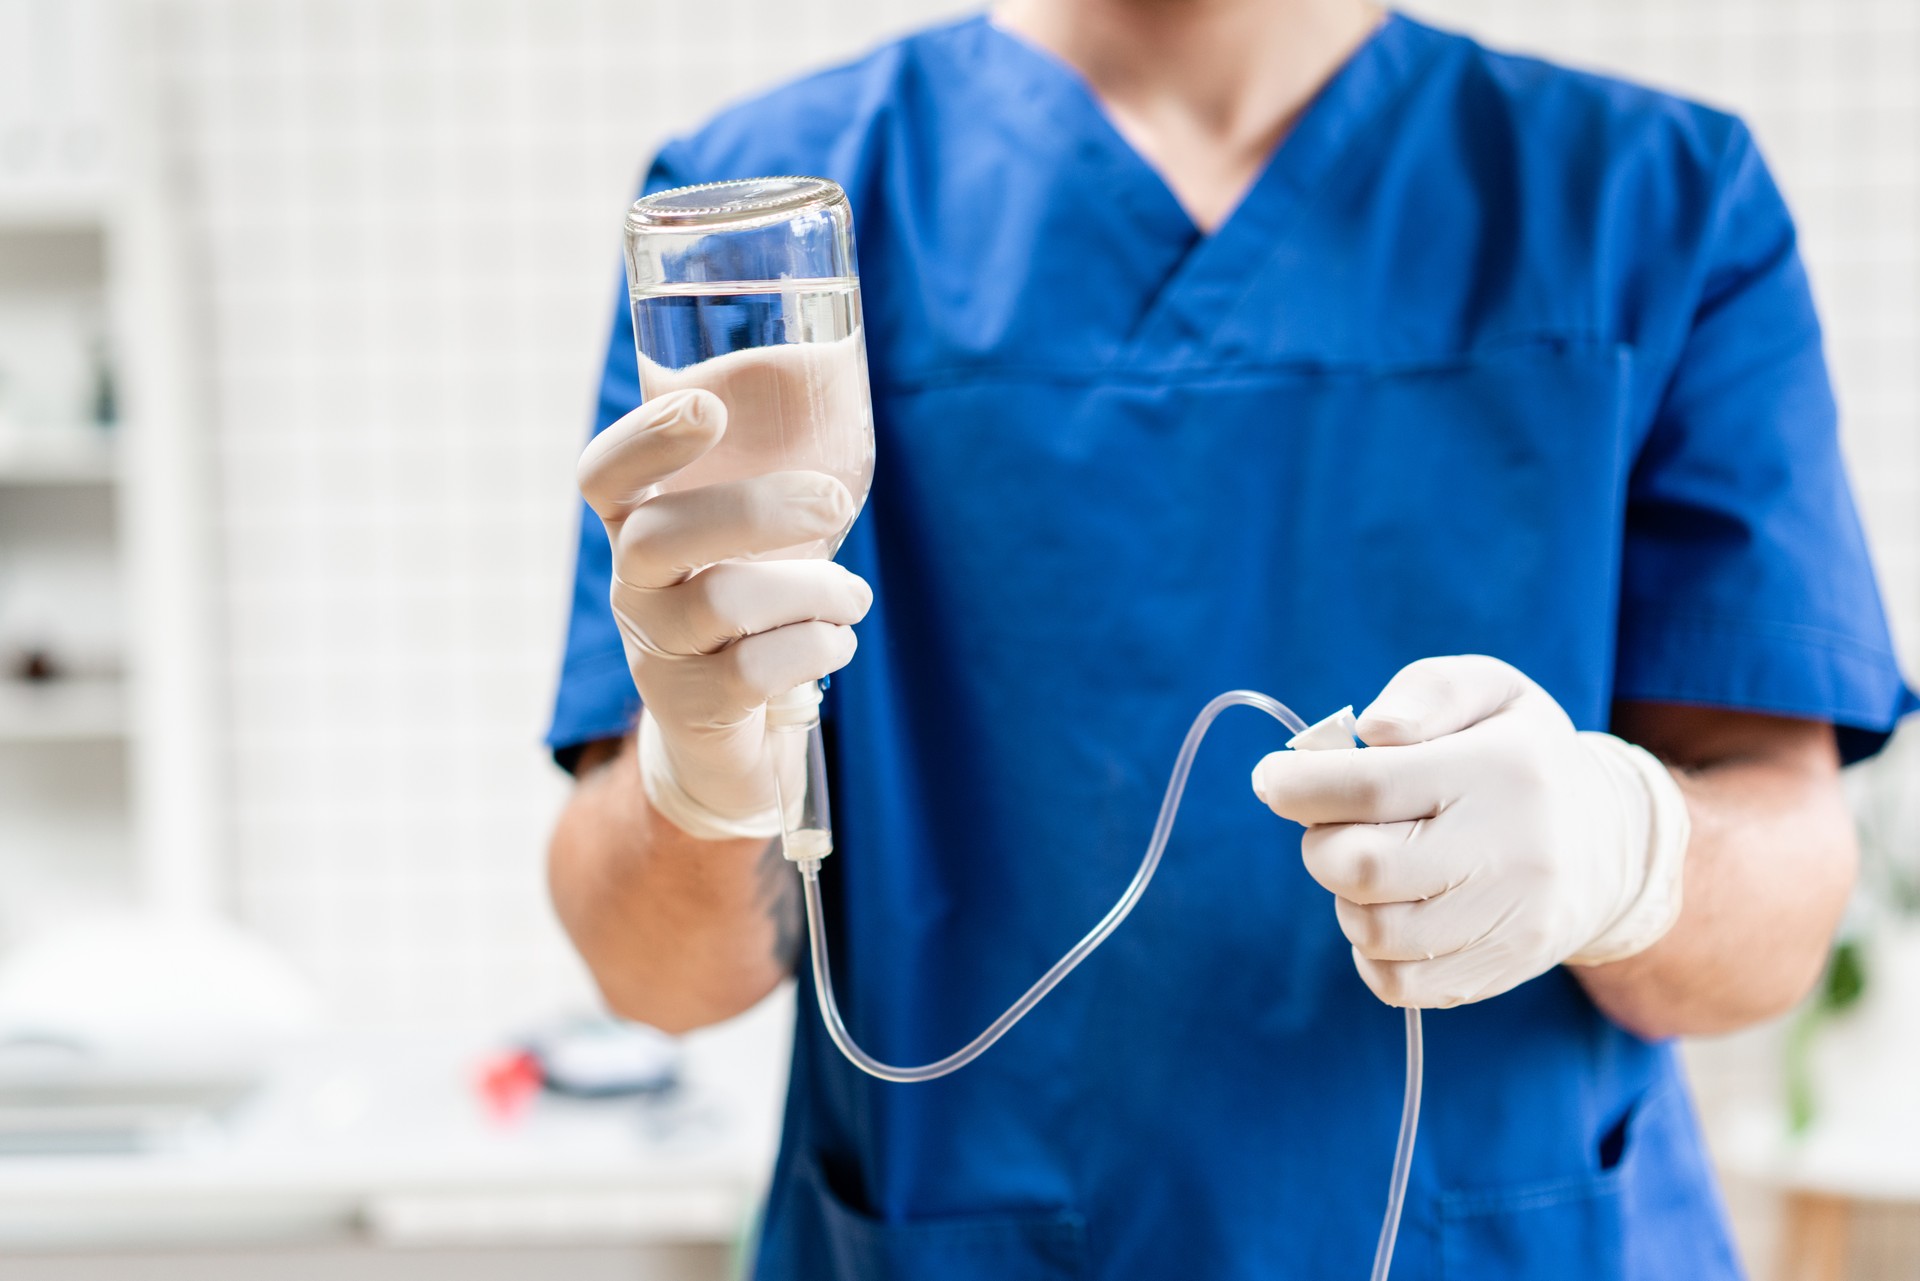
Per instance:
{"type": "Point", "coordinates": [1655, 905]}
{"type": "Point", "coordinates": [682, 810]}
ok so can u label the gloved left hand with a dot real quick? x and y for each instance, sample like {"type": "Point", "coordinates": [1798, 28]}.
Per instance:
{"type": "Point", "coordinates": [1479, 840]}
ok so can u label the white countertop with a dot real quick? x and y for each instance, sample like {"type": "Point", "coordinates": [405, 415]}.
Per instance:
{"type": "Point", "coordinates": [392, 1138]}
{"type": "Point", "coordinates": [1837, 1161]}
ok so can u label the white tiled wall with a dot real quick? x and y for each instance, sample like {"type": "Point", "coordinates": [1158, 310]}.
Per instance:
{"type": "Point", "coordinates": [408, 214]}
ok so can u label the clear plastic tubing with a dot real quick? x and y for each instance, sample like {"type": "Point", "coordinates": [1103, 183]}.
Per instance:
{"type": "Point", "coordinates": [1162, 830]}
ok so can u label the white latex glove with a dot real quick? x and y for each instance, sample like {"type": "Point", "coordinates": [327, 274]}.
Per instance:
{"type": "Point", "coordinates": [1479, 840]}
{"type": "Point", "coordinates": [710, 643]}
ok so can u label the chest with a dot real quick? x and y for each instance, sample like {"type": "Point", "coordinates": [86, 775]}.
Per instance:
{"type": "Point", "coordinates": [1468, 505]}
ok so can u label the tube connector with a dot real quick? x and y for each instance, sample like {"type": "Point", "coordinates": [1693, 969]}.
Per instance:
{"type": "Point", "coordinates": [1331, 734]}
{"type": "Point", "coordinates": [808, 833]}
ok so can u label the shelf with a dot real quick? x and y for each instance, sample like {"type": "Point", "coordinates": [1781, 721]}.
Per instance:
{"type": "Point", "coordinates": [62, 711]}
{"type": "Point", "coordinates": [76, 456]}
{"type": "Point", "coordinates": [53, 210]}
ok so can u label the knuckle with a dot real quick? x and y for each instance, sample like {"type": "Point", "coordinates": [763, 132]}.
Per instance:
{"type": "Point", "coordinates": [1364, 787]}
{"type": "Point", "coordinates": [859, 594]}
{"type": "Point", "coordinates": [738, 672]}
{"type": "Point", "coordinates": [1482, 665]}
{"type": "Point", "coordinates": [1533, 770]}
{"type": "Point", "coordinates": [1534, 866]}
{"type": "Point", "coordinates": [637, 545]}
{"type": "Point", "coordinates": [828, 647]}
{"type": "Point", "coordinates": [1362, 926]}
{"type": "Point", "coordinates": [1390, 981]}
{"type": "Point", "coordinates": [704, 615]}
{"type": "Point", "coordinates": [824, 591]}
{"type": "Point", "coordinates": [689, 690]}
{"type": "Point", "coordinates": [632, 618]}
{"type": "Point", "coordinates": [1345, 860]}
{"type": "Point", "coordinates": [1323, 849]}
{"type": "Point", "coordinates": [1533, 938]}
{"type": "Point", "coordinates": [1366, 870]}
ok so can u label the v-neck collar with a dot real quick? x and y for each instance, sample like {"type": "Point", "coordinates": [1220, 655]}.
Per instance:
{"type": "Point", "coordinates": [1211, 270]}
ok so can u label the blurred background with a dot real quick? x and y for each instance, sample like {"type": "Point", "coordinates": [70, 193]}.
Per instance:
{"type": "Point", "coordinates": [302, 305]}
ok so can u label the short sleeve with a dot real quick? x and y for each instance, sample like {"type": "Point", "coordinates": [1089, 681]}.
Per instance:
{"type": "Point", "coordinates": [1746, 581]}
{"type": "Point", "coordinates": [596, 699]}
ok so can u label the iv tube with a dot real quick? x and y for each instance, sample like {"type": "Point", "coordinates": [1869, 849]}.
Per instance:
{"type": "Point", "coordinates": [731, 282]}
{"type": "Point", "coordinates": [1156, 846]}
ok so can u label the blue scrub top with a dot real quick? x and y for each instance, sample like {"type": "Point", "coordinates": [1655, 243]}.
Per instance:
{"type": "Point", "coordinates": [1495, 357]}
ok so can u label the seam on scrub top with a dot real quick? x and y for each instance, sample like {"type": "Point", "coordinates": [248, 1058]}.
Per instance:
{"type": "Point", "coordinates": [1530, 1196]}
{"type": "Point", "coordinates": [1857, 718]}
{"type": "Point", "coordinates": [1837, 642]}
{"type": "Point", "coordinates": [1674, 351]}
{"type": "Point", "coordinates": [1000, 1227]}
{"type": "Point", "coordinates": [1851, 717]}
{"type": "Point", "coordinates": [1507, 344]}
{"type": "Point", "coordinates": [1824, 704]}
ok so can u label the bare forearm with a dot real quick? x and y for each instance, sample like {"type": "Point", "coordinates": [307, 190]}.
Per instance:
{"type": "Point", "coordinates": [1769, 868]}
{"type": "Point", "coordinates": [678, 932]}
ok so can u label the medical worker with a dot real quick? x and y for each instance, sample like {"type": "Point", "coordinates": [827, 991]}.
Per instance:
{"type": "Point", "coordinates": [1278, 344]}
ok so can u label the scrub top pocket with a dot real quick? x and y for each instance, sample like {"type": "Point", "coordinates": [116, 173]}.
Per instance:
{"type": "Point", "coordinates": [1625, 1219]}
{"type": "Point", "coordinates": [1570, 1231]}
{"type": "Point", "coordinates": [1037, 1245]}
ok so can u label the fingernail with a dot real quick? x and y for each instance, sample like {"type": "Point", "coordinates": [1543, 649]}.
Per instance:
{"type": "Point", "coordinates": [685, 406]}
{"type": "Point", "coordinates": [1399, 729]}
{"type": "Point", "coordinates": [837, 502]}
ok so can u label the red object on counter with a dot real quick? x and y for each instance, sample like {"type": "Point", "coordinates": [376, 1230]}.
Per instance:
{"type": "Point", "coordinates": [507, 1083]}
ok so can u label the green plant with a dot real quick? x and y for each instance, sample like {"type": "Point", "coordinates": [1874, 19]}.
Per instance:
{"type": "Point", "coordinates": [1840, 988]}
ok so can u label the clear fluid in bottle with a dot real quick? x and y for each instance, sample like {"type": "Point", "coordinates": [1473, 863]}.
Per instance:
{"type": "Point", "coordinates": [788, 357]}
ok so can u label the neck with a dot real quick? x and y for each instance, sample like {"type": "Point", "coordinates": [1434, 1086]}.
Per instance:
{"type": "Point", "coordinates": [1205, 89]}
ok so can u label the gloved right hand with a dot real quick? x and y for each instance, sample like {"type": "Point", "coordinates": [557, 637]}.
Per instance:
{"type": "Point", "coordinates": [710, 638]}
